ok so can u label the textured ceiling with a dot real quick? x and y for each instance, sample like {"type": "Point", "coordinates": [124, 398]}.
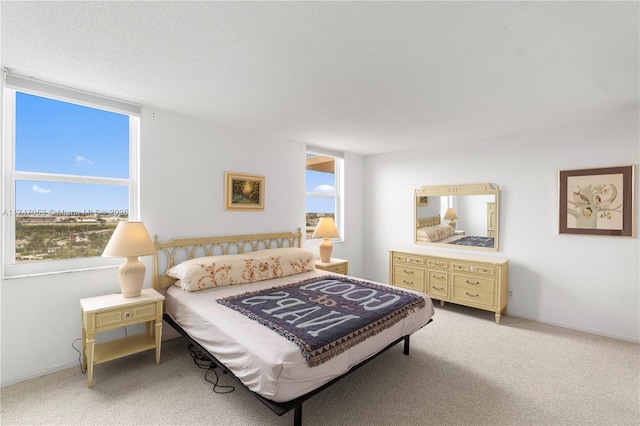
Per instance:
{"type": "Point", "coordinates": [364, 77]}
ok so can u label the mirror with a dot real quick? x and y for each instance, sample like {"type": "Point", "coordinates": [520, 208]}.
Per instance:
{"type": "Point", "coordinates": [457, 216]}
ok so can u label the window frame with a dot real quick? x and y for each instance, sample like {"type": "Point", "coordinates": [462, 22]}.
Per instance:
{"type": "Point", "coordinates": [12, 84]}
{"type": "Point", "coordinates": [339, 191]}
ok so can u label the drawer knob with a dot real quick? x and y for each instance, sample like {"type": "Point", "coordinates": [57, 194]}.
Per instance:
{"type": "Point", "coordinates": [127, 314]}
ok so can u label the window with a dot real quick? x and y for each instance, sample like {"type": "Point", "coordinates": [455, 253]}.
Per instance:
{"type": "Point", "coordinates": [324, 188]}
{"type": "Point", "coordinates": [69, 176]}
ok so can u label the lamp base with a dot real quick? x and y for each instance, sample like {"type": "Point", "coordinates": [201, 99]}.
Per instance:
{"type": "Point", "coordinates": [325, 250]}
{"type": "Point", "coordinates": [131, 277]}
{"type": "Point", "coordinates": [452, 223]}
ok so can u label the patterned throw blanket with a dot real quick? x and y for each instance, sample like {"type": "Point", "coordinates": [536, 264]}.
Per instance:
{"type": "Point", "coordinates": [327, 315]}
{"type": "Point", "coordinates": [474, 241]}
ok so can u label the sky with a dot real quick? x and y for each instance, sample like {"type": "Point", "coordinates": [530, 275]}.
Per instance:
{"type": "Point", "coordinates": [60, 137]}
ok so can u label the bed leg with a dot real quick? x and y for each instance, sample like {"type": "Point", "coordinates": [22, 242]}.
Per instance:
{"type": "Point", "coordinates": [297, 415]}
{"type": "Point", "coordinates": [406, 345]}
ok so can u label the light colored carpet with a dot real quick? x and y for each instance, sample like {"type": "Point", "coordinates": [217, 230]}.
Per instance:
{"type": "Point", "coordinates": [463, 370]}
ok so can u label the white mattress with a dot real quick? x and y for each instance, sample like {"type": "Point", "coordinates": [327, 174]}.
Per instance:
{"type": "Point", "coordinates": [265, 362]}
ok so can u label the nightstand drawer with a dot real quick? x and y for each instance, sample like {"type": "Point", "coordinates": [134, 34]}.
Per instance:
{"type": "Point", "coordinates": [118, 316]}
{"type": "Point", "coordinates": [339, 269]}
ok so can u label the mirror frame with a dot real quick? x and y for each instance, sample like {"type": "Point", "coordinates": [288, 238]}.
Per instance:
{"type": "Point", "coordinates": [466, 189]}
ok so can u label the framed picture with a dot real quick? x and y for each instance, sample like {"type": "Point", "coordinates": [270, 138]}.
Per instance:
{"type": "Point", "coordinates": [243, 192]}
{"type": "Point", "coordinates": [597, 201]}
{"type": "Point", "coordinates": [422, 201]}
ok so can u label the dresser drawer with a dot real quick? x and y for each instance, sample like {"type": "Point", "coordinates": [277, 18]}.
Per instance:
{"type": "Point", "coordinates": [408, 259]}
{"type": "Point", "coordinates": [473, 268]}
{"type": "Point", "coordinates": [476, 297]}
{"type": "Point", "coordinates": [473, 282]}
{"type": "Point", "coordinates": [408, 277]}
{"type": "Point", "coordinates": [437, 263]}
{"type": "Point", "coordinates": [132, 314]}
{"type": "Point", "coordinates": [437, 282]}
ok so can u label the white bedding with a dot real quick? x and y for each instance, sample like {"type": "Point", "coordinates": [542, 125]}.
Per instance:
{"type": "Point", "coordinates": [267, 363]}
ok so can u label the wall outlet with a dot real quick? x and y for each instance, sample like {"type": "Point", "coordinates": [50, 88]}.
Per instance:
{"type": "Point", "coordinates": [510, 294]}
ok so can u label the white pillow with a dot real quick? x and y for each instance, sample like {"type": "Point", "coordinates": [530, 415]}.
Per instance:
{"type": "Point", "coordinates": [217, 271]}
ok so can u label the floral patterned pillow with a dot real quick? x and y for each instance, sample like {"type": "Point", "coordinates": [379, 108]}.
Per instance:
{"type": "Point", "coordinates": [217, 271]}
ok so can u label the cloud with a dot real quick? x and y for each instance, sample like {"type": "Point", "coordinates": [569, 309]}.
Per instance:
{"type": "Point", "coordinates": [39, 190]}
{"type": "Point", "coordinates": [325, 189]}
{"type": "Point", "coordinates": [82, 159]}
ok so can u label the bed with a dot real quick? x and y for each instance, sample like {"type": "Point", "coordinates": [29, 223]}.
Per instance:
{"type": "Point", "coordinates": [210, 305]}
{"type": "Point", "coordinates": [432, 230]}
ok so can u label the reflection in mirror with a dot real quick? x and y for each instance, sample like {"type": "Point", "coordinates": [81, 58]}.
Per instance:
{"type": "Point", "coordinates": [457, 216]}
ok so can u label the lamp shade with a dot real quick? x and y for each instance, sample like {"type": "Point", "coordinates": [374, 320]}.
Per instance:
{"type": "Point", "coordinates": [130, 240]}
{"type": "Point", "coordinates": [326, 228]}
{"type": "Point", "coordinates": [450, 214]}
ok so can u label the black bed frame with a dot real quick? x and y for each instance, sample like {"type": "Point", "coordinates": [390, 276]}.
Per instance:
{"type": "Point", "coordinates": [296, 404]}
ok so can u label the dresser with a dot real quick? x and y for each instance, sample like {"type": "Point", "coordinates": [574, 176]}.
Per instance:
{"type": "Point", "coordinates": [475, 281]}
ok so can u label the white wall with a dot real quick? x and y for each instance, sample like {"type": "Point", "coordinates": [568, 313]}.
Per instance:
{"type": "Point", "coordinates": [589, 283]}
{"type": "Point", "coordinates": [182, 165]}
{"type": "Point", "coordinates": [583, 282]}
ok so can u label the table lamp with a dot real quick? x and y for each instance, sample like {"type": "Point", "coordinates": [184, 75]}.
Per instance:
{"type": "Point", "coordinates": [326, 229]}
{"type": "Point", "coordinates": [451, 216]}
{"type": "Point", "coordinates": [130, 240]}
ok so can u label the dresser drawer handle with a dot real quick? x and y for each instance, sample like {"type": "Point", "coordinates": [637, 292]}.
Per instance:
{"type": "Point", "coordinates": [408, 272]}
{"type": "Point", "coordinates": [471, 295]}
{"type": "Point", "coordinates": [407, 282]}
{"type": "Point", "coordinates": [470, 283]}
{"type": "Point", "coordinates": [127, 314]}
{"type": "Point", "coordinates": [436, 288]}
{"type": "Point", "coordinates": [441, 277]}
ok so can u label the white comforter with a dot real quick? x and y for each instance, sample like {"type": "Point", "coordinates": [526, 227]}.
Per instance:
{"type": "Point", "coordinates": [267, 363]}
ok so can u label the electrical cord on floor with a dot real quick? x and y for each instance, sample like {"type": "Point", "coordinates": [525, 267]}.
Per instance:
{"type": "Point", "coordinates": [73, 345]}
{"type": "Point", "coordinates": [202, 361]}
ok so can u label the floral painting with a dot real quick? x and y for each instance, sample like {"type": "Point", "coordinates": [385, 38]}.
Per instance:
{"type": "Point", "coordinates": [597, 201]}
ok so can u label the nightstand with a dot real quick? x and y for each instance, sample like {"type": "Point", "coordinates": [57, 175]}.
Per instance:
{"type": "Point", "coordinates": [111, 311]}
{"type": "Point", "coordinates": [339, 266]}
{"type": "Point", "coordinates": [459, 232]}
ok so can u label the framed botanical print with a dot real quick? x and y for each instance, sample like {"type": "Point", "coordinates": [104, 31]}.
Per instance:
{"type": "Point", "coordinates": [243, 191]}
{"type": "Point", "coordinates": [597, 201]}
{"type": "Point", "coordinates": [422, 201]}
